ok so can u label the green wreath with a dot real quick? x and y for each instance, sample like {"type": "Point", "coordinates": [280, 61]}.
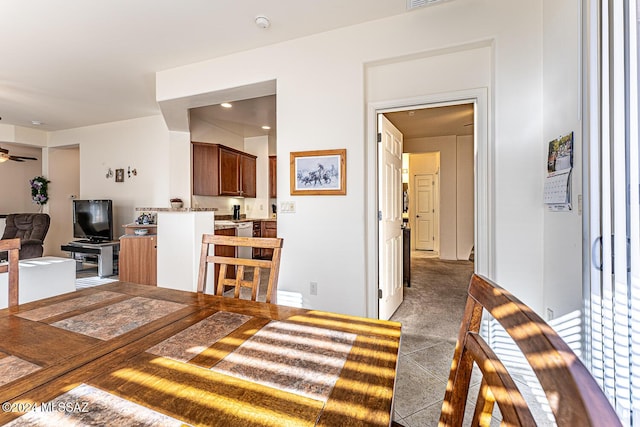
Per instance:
{"type": "Point", "coordinates": [39, 190]}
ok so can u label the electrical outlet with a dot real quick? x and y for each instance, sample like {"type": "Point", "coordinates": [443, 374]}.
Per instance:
{"type": "Point", "coordinates": [313, 288]}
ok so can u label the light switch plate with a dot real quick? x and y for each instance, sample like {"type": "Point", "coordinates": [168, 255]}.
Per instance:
{"type": "Point", "coordinates": [287, 207]}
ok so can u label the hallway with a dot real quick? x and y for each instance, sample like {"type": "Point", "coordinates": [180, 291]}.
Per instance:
{"type": "Point", "coordinates": [430, 314]}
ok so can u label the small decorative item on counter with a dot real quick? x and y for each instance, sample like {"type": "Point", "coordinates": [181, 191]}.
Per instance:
{"type": "Point", "coordinates": [145, 218]}
{"type": "Point", "coordinates": [176, 203]}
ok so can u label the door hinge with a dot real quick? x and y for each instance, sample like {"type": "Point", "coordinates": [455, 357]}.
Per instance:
{"type": "Point", "coordinates": [379, 137]}
{"type": "Point", "coordinates": [379, 293]}
{"type": "Point", "coordinates": [379, 215]}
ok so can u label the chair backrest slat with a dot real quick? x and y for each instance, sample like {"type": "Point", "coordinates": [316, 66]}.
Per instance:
{"type": "Point", "coordinates": [232, 269]}
{"type": "Point", "coordinates": [573, 394]}
{"type": "Point", "coordinates": [12, 246]}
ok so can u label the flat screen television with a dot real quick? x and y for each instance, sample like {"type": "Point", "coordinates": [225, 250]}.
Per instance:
{"type": "Point", "coordinates": [93, 220]}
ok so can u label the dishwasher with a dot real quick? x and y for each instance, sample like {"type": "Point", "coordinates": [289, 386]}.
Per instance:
{"type": "Point", "coordinates": [244, 229]}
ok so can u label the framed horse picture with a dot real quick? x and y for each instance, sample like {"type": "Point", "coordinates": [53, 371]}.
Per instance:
{"type": "Point", "coordinates": [320, 172]}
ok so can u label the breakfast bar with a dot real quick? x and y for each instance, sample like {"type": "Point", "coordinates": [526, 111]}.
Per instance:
{"type": "Point", "coordinates": [127, 354]}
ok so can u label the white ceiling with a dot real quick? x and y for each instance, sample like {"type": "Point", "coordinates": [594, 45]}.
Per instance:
{"type": "Point", "coordinates": [244, 118]}
{"type": "Point", "coordinates": [436, 121]}
{"type": "Point", "coordinates": [70, 63]}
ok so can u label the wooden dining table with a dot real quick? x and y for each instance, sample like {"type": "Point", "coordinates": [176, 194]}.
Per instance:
{"type": "Point", "coordinates": [126, 354]}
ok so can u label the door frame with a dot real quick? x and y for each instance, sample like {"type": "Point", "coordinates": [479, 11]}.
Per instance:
{"type": "Point", "coordinates": [484, 240]}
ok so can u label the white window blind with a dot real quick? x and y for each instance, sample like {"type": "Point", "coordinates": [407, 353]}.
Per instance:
{"type": "Point", "coordinates": [612, 190]}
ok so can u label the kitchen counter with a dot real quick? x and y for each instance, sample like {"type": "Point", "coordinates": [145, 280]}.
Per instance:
{"type": "Point", "coordinates": [177, 209]}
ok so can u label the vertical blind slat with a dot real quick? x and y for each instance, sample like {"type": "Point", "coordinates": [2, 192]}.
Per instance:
{"type": "Point", "coordinates": [614, 194]}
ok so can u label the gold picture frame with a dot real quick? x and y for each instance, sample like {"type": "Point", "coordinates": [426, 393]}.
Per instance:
{"type": "Point", "coordinates": [318, 173]}
{"type": "Point", "coordinates": [119, 175]}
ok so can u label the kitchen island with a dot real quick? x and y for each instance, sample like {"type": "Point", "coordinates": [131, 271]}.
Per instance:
{"type": "Point", "coordinates": [178, 244]}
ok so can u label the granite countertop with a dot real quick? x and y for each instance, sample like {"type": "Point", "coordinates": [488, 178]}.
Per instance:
{"type": "Point", "coordinates": [177, 209]}
{"type": "Point", "coordinates": [242, 219]}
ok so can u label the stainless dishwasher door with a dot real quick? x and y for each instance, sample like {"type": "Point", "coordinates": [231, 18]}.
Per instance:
{"type": "Point", "coordinates": [244, 229]}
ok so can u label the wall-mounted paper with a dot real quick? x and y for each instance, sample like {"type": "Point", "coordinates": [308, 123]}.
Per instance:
{"type": "Point", "coordinates": [557, 184]}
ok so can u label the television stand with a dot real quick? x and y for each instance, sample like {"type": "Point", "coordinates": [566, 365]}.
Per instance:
{"type": "Point", "coordinates": [105, 251]}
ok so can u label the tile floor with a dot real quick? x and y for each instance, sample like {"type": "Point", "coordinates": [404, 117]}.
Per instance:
{"type": "Point", "coordinates": [430, 315]}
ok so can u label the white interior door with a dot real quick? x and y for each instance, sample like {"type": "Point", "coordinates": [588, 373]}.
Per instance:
{"type": "Point", "coordinates": [390, 291]}
{"type": "Point", "coordinates": [425, 212]}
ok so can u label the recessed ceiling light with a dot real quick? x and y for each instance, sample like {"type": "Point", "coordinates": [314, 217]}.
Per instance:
{"type": "Point", "coordinates": [226, 105]}
{"type": "Point", "coordinates": [266, 127]}
{"type": "Point", "coordinates": [36, 122]}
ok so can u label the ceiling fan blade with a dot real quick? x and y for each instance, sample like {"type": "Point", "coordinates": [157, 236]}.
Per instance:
{"type": "Point", "coordinates": [22, 158]}
{"type": "Point", "coordinates": [15, 159]}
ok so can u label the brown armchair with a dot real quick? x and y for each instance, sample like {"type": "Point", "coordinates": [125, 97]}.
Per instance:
{"type": "Point", "coordinates": [31, 229]}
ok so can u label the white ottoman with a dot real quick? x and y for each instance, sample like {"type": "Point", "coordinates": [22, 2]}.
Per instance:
{"type": "Point", "coordinates": [41, 278]}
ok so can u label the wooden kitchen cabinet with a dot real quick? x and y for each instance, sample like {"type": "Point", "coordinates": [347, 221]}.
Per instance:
{"type": "Point", "coordinates": [264, 229]}
{"type": "Point", "coordinates": [229, 172]}
{"type": "Point", "coordinates": [248, 175]}
{"type": "Point", "coordinates": [257, 232]}
{"type": "Point", "coordinates": [222, 171]}
{"type": "Point", "coordinates": [227, 251]}
{"type": "Point", "coordinates": [138, 259]}
{"type": "Point", "coordinates": [273, 182]}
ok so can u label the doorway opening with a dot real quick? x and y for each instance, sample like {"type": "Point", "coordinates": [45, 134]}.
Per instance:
{"type": "Point", "coordinates": [462, 194]}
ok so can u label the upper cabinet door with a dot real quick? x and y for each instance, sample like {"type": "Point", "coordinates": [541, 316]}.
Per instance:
{"type": "Point", "coordinates": [205, 170]}
{"type": "Point", "coordinates": [229, 173]}
{"type": "Point", "coordinates": [222, 171]}
{"type": "Point", "coordinates": [248, 175]}
{"type": "Point", "coordinates": [273, 182]}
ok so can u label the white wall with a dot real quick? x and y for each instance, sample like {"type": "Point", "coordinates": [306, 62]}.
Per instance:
{"type": "Point", "coordinates": [561, 90]}
{"type": "Point", "coordinates": [15, 190]}
{"type": "Point", "coordinates": [323, 88]}
{"type": "Point", "coordinates": [464, 197]}
{"type": "Point", "coordinates": [259, 207]}
{"type": "Point", "coordinates": [202, 131]}
{"type": "Point", "coordinates": [141, 144]}
{"type": "Point", "coordinates": [64, 172]}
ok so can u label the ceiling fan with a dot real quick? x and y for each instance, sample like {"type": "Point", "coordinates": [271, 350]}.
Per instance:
{"type": "Point", "coordinates": [4, 156]}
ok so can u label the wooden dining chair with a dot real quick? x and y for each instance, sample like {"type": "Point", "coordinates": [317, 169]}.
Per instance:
{"type": "Point", "coordinates": [12, 246]}
{"type": "Point", "coordinates": [572, 393]}
{"type": "Point", "coordinates": [240, 266]}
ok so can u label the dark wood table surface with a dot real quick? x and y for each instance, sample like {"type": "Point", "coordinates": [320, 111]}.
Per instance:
{"type": "Point", "coordinates": [127, 354]}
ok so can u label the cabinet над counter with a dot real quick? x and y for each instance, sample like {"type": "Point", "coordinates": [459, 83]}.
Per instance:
{"type": "Point", "coordinates": [222, 171]}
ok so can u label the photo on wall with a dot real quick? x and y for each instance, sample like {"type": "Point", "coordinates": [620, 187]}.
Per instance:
{"type": "Point", "coordinates": [320, 172]}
